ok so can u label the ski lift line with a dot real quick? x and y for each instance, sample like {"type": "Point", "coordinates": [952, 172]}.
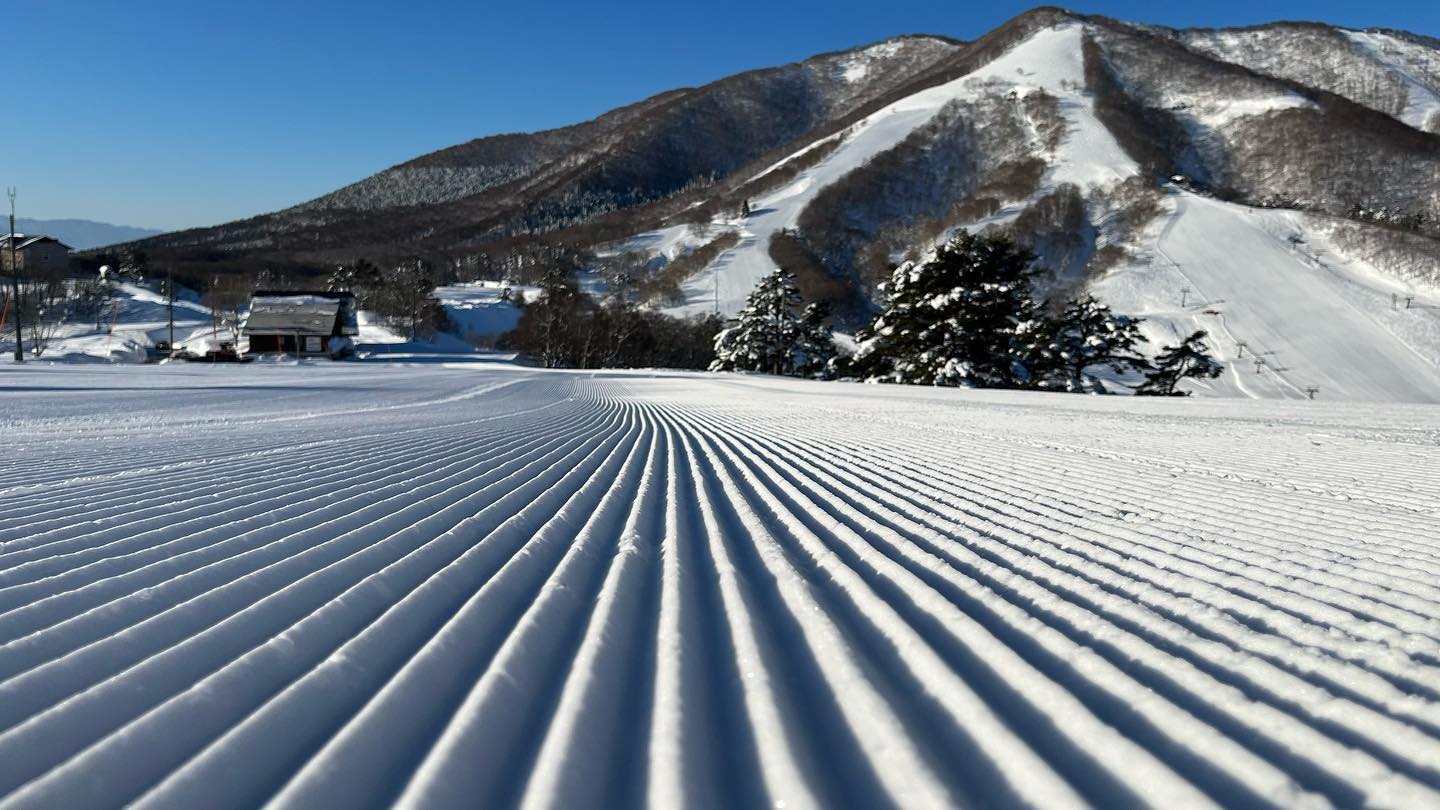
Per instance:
{"type": "Point", "coordinates": [1224, 327]}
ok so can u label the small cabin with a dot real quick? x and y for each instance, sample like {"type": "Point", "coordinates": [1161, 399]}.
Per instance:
{"type": "Point", "coordinates": [301, 323]}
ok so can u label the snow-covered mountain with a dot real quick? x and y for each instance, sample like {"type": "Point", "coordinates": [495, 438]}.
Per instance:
{"type": "Point", "coordinates": [1278, 186]}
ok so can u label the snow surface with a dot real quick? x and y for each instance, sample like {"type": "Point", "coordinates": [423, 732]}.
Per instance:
{"type": "Point", "coordinates": [857, 66]}
{"type": "Point", "coordinates": [1265, 278]}
{"type": "Point", "coordinates": [347, 585]}
{"type": "Point", "coordinates": [476, 308]}
{"type": "Point", "coordinates": [1048, 60]}
{"type": "Point", "coordinates": [1221, 111]}
{"type": "Point", "coordinates": [139, 320]}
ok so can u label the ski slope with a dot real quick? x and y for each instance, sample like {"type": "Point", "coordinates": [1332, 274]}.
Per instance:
{"type": "Point", "coordinates": [1266, 279]}
{"type": "Point", "coordinates": [1048, 60]}
{"type": "Point", "coordinates": [468, 585]}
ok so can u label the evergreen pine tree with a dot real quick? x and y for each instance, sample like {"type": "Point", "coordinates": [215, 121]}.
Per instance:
{"type": "Point", "coordinates": [360, 277]}
{"type": "Point", "coordinates": [1085, 335]}
{"type": "Point", "coordinates": [965, 317]}
{"type": "Point", "coordinates": [815, 342]}
{"type": "Point", "coordinates": [1177, 363]}
{"type": "Point", "coordinates": [766, 335]}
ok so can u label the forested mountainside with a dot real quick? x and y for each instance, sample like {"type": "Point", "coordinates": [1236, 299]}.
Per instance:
{"type": "Point", "coordinates": [1072, 131]}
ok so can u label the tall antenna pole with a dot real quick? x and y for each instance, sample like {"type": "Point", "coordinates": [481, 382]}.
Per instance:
{"type": "Point", "coordinates": [170, 296]}
{"type": "Point", "coordinates": [15, 283]}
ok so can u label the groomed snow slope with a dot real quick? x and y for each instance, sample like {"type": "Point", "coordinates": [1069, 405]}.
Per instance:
{"type": "Point", "coordinates": [1267, 279]}
{"type": "Point", "coordinates": [351, 585]}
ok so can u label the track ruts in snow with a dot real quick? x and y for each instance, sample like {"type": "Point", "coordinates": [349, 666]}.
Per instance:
{"type": "Point", "coordinates": [457, 587]}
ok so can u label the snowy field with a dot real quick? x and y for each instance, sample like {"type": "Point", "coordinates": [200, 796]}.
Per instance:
{"type": "Point", "coordinates": [479, 585]}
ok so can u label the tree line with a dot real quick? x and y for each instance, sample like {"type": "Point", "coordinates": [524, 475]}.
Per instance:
{"type": "Point", "coordinates": [565, 327]}
{"type": "Point", "coordinates": [965, 317]}
{"type": "Point", "coordinates": [404, 297]}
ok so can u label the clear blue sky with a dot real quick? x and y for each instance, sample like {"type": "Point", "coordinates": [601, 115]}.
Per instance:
{"type": "Point", "coordinates": [171, 113]}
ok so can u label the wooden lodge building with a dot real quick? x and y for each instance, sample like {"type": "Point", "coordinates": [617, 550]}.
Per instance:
{"type": "Point", "coordinates": [302, 323]}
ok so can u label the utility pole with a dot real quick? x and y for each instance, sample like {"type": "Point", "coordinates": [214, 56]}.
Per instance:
{"type": "Point", "coordinates": [1184, 294]}
{"type": "Point", "coordinates": [15, 284]}
{"type": "Point", "coordinates": [170, 302]}
{"type": "Point", "coordinates": [1312, 391]}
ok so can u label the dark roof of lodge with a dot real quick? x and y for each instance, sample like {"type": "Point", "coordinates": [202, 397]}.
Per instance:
{"type": "Point", "coordinates": [294, 312]}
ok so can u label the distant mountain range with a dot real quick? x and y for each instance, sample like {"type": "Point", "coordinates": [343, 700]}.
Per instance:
{"type": "Point", "coordinates": [83, 234]}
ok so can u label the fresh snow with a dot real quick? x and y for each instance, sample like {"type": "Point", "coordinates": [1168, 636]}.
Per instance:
{"type": "Point", "coordinates": [346, 585]}
{"type": "Point", "coordinates": [1264, 278]}
{"type": "Point", "coordinates": [298, 300]}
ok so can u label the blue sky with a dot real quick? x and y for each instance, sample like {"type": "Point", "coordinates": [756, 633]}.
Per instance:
{"type": "Point", "coordinates": [172, 113]}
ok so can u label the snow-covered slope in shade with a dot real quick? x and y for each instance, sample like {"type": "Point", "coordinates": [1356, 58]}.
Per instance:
{"type": "Point", "coordinates": [1049, 60]}
{"type": "Point", "coordinates": [1263, 278]}
{"type": "Point", "coordinates": [356, 586]}
{"type": "Point", "coordinates": [1416, 66]}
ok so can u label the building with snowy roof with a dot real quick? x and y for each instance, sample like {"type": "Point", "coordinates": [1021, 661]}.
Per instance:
{"type": "Point", "coordinates": [34, 255]}
{"type": "Point", "coordinates": [301, 323]}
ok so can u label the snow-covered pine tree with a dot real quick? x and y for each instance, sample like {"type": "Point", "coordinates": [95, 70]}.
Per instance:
{"type": "Point", "coordinates": [965, 317]}
{"type": "Point", "coordinates": [1086, 334]}
{"type": "Point", "coordinates": [765, 336]}
{"type": "Point", "coordinates": [360, 277]}
{"type": "Point", "coordinates": [815, 343]}
{"type": "Point", "coordinates": [1176, 363]}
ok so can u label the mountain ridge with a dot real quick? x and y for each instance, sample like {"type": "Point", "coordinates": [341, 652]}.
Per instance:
{"type": "Point", "coordinates": [688, 153]}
